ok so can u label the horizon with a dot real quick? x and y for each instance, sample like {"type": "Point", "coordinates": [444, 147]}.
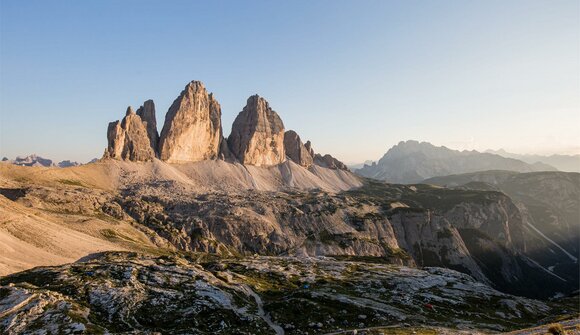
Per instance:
{"type": "Point", "coordinates": [354, 78]}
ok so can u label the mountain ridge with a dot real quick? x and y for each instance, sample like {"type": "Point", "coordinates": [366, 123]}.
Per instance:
{"type": "Point", "coordinates": [568, 163]}
{"type": "Point", "coordinates": [412, 161]}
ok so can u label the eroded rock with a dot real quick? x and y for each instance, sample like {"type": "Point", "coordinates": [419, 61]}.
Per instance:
{"type": "Point", "coordinates": [192, 130]}
{"type": "Point", "coordinates": [257, 136]}
{"type": "Point", "coordinates": [296, 150]}
{"type": "Point", "coordinates": [128, 139]}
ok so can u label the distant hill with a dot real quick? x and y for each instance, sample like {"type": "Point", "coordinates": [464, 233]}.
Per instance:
{"type": "Point", "coordinates": [412, 162]}
{"type": "Point", "coordinates": [568, 163]}
{"type": "Point", "coordinates": [356, 166]}
{"type": "Point", "coordinates": [36, 160]}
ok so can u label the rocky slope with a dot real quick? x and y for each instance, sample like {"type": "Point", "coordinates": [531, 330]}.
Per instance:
{"type": "Point", "coordinates": [119, 293]}
{"type": "Point", "coordinates": [198, 207]}
{"type": "Point", "coordinates": [411, 162]}
{"type": "Point", "coordinates": [549, 203]}
{"type": "Point", "coordinates": [192, 130]}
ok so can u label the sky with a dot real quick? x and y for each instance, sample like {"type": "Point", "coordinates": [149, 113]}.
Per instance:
{"type": "Point", "coordinates": [354, 77]}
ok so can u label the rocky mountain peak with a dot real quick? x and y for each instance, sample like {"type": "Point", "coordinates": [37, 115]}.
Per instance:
{"type": "Point", "coordinates": [147, 115]}
{"type": "Point", "coordinates": [128, 139]}
{"type": "Point", "coordinates": [192, 129]}
{"type": "Point", "coordinates": [257, 136]}
{"type": "Point", "coordinates": [295, 150]}
{"type": "Point", "coordinates": [129, 111]}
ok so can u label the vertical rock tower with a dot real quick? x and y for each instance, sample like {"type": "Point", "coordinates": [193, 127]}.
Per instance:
{"type": "Point", "coordinates": [128, 139]}
{"type": "Point", "coordinates": [147, 115]}
{"type": "Point", "coordinates": [257, 136]}
{"type": "Point", "coordinates": [192, 130]}
{"type": "Point", "coordinates": [295, 149]}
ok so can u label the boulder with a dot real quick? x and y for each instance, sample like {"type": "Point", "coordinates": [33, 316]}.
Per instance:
{"type": "Point", "coordinates": [257, 136]}
{"type": "Point", "coordinates": [192, 130]}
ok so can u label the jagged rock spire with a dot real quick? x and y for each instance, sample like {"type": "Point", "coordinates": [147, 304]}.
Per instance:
{"type": "Point", "coordinates": [192, 129]}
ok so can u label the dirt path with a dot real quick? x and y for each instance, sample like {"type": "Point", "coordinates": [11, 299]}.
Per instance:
{"type": "Point", "coordinates": [279, 330]}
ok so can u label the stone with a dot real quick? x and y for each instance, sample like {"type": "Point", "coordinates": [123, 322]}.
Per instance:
{"type": "Point", "coordinates": [296, 150]}
{"type": "Point", "coordinates": [128, 140]}
{"type": "Point", "coordinates": [257, 136]}
{"type": "Point", "coordinates": [192, 130]}
{"type": "Point", "coordinates": [147, 115]}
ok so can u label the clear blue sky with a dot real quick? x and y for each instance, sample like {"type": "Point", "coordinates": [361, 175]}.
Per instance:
{"type": "Point", "coordinates": [355, 77]}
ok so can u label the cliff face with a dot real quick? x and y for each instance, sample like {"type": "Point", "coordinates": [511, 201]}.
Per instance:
{"type": "Point", "coordinates": [296, 150]}
{"type": "Point", "coordinates": [192, 130]}
{"type": "Point", "coordinates": [548, 203]}
{"type": "Point", "coordinates": [479, 233]}
{"type": "Point", "coordinates": [257, 136]}
{"type": "Point", "coordinates": [147, 115]}
{"type": "Point", "coordinates": [128, 139]}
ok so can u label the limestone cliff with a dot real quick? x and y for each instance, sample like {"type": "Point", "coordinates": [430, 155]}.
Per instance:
{"type": "Point", "coordinates": [257, 136]}
{"type": "Point", "coordinates": [192, 130]}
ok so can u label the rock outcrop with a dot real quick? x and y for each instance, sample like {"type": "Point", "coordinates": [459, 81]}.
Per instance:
{"type": "Point", "coordinates": [192, 130]}
{"type": "Point", "coordinates": [128, 139]}
{"type": "Point", "coordinates": [330, 162]}
{"type": "Point", "coordinates": [147, 114]}
{"type": "Point", "coordinates": [308, 146]}
{"type": "Point", "coordinates": [257, 136]}
{"type": "Point", "coordinates": [296, 150]}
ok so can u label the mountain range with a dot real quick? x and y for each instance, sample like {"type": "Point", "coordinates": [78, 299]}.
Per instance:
{"type": "Point", "coordinates": [187, 231]}
{"type": "Point", "coordinates": [569, 163]}
{"type": "Point", "coordinates": [412, 162]}
{"type": "Point", "coordinates": [35, 160]}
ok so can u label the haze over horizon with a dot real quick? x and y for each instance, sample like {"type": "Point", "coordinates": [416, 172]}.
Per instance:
{"type": "Point", "coordinates": [355, 78]}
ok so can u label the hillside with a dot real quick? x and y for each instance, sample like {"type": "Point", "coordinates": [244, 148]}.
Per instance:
{"type": "Point", "coordinates": [120, 293]}
{"type": "Point", "coordinates": [550, 205]}
{"type": "Point", "coordinates": [568, 163]}
{"type": "Point", "coordinates": [411, 162]}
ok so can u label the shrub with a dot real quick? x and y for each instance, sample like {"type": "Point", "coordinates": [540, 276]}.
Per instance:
{"type": "Point", "coordinates": [556, 329]}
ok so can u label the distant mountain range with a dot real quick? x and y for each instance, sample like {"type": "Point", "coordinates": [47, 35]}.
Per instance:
{"type": "Point", "coordinates": [412, 162]}
{"type": "Point", "coordinates": [35, 160]}
{"type": "Point", "coordinates": [568, 163]}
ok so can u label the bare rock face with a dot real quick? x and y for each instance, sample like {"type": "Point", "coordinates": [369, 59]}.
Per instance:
{"type": "Point", "coordinates": [326, 161]}
{"type": "Point", "coordinates": [192, 130]}
{"type": "Point", "coordinates": [308, 147]}
{"type": "Point", "coordinates": [295, 150]}
{"type": "Point", "coordinates": [257, 136]}
{"type": "Point", "coordinates": [147, 114]}
{"type": "Point", "coordinates": [128, 139]}
{"type": "Point", "coordinates": [330, 162]}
